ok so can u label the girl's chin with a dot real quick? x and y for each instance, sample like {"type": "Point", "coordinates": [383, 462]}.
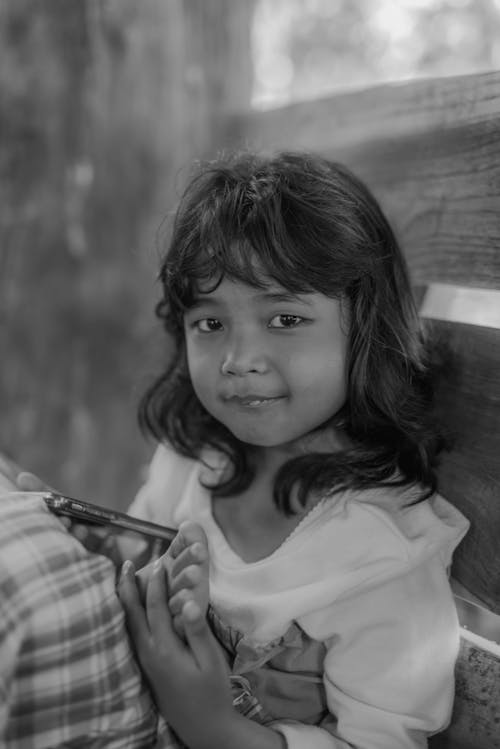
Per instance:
{"type": "Point", "coordinates": [316, 441]}
{"type": "Point", "coordinates": [292, 444]}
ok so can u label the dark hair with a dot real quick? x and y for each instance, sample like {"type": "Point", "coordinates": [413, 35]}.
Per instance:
{"type": "Point", "coordinates": [313, 227]}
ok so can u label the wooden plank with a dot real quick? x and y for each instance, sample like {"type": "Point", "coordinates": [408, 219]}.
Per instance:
{"type": "Point", "coordinates": [469, 474]}
{"type": "Point", "coordinates": [357, 117]}
{"type": "Point", "coordinates": [429, 150]}
{"type": "Point", "coordinates": [459, 304]}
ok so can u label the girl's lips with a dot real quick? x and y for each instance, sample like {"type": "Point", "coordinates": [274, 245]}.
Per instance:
{"type": "Point", "coordinates": [253, 400]}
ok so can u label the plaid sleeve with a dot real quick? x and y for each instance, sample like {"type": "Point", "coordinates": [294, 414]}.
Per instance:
{"type": "Point", "coordinates": [67, 674]}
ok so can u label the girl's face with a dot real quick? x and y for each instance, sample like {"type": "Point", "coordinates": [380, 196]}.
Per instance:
{"type": "Point", "coordinates": [269, 365]}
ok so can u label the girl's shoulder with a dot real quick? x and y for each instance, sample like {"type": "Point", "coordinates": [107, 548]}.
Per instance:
{"type": "Point", "coordinates": [173, 483]}
{"type": "Point", "coordinates": [168, 468]}
{"type": "Point", "coordinates": [412, 530]}
{"type": "Point", "coordinates": [166, 479]}
{"type": "Point", "coordinates": [380, 525]}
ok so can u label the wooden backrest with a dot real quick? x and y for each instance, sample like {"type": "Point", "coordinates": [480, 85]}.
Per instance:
{"type": "Point", "coordinates": [430, 152]}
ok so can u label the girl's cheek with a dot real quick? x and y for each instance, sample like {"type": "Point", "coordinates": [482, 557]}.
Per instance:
{"type": "Point", "coordinates": [204, 387]}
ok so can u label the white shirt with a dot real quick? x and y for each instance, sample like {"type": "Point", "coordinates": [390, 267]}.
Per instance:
{"type": "Point", "coordinates": [367, 579]}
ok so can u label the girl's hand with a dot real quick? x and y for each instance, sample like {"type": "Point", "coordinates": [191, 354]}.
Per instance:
{"type": "Point", "coordinates": [189, 680]}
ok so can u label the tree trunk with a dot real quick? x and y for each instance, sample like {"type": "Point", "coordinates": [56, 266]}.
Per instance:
{"type": "Point", "coordinates": [103, 105]}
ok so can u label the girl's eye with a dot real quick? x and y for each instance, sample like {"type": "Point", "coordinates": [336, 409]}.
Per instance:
{"type": "Point", "coordinates": [208, 325]}
{"type": "Point", "coordinates": [286, 321]}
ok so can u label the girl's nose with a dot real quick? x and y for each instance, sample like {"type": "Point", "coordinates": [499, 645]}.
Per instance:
{"type": "Point", "coordinates": [242, 360]}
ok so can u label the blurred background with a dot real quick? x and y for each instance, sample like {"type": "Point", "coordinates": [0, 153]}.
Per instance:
{"type": "Point", "coordinates": [103, 106]}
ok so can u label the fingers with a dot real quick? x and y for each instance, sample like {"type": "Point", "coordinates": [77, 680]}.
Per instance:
{"type": "Point", "coordinates": [188, 558]}
{"type": "Point", "coordinates": [28, 482]}
{"type": "Point", "coordinates": [158, 615]}
{"type": "Point", "coordinates": [189, 578]}
{"type": "Point", "coordinates": [154, 631]}
{"type": "Point", "coordinates": [193, 618]}
{"type": "Point", "coordinates": [136, 616]}
{"type": "Point", "coordinates": [189, 533]}
{"type": "Point", "coordinates": [188, 573]}
{"type": "Point", "coordinates": [178, 577]}
{"type": "Point", "coordinates": [144, 575]}
{"type": "Point", "coordinates": [195, 553]}
{"type": "Point", "coordinates": [199, 637]}
{"type": "Point", "coordinates": [142, 578]}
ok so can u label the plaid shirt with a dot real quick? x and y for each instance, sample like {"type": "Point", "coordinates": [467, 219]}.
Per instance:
{"type": "Point", "coordinates": [67, 674]}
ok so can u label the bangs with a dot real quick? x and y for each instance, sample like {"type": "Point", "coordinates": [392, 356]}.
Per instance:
{"type": "Point", "coordinates": [265, 250]}
{"type": "Point", "coordinates": [262, 223]}
{"type": "Point", "coordinates": [203, 271]}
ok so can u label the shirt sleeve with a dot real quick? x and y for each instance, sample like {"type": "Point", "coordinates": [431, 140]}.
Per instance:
{"type": "Point", "coordinates": [158, 498]}
{"type": "Point", "coordinates": [389, 667]}
{"type": "Point", "coordinates": [68, 674]}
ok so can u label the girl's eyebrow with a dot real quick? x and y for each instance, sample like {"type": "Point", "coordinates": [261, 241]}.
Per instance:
{"type": "Point", "coordinates": [283, 296]}
{"type": "Point", "coordinates": [204, 301]}
{"type": "Point", "coordinates": [211, 299]}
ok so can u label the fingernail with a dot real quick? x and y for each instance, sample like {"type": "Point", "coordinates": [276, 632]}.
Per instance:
{"type": "Point", "coordinates": [127, 568]}
{"type": "Point", "coordinates": [199, 551]}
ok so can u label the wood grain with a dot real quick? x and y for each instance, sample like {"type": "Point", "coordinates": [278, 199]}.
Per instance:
{"type": "Point", "coordinates": [430, 152]}
{"type": "Point", "coordinates": [476, 710]}
{"type": "Point", "coordinates": [469, 474]}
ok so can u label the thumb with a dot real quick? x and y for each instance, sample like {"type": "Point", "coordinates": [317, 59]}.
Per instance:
{"type": "Point", "coordinates": [30, 483]}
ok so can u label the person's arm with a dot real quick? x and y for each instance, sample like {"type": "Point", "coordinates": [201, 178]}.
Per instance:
{"type": "Point", "coordinates": [11, 635]}
{"type": "Point", "coordinates": [68, 674]}
{"type": "Point", "coordinates": [389, 669]}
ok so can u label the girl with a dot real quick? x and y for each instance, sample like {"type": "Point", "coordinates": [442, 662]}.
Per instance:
{"type": "Point", "coordinates": [297, 439]}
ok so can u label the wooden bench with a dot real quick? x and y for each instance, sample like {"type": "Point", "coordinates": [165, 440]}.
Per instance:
{"type": "Point", "coordinates": [430, 151]}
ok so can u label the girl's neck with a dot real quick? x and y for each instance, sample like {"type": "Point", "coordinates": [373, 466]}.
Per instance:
{"type": "Point", "coordinates": [250, 521]}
